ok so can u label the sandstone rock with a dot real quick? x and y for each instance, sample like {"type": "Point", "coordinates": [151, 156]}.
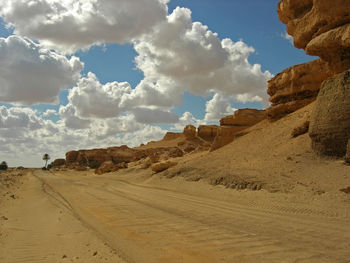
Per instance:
{"type": "Point", "coordinates": [80, 168]}
{"type": "Point", "coordinates": [319, 27]}
{"type": "Point", "coordinates": [226, 135]}
{"type": "Point", "coordinates": [190, 131]}
{"type": "Point", "coordinates": [207, 132]}
{"type": "Point", "coordinates": [347, 157]}
{"type": "Point", "coordinates": [71, 157]}
{"type": "Point", "coordinates": [296, 87]}
{"type": "Point", "coordinates": [171, 136]}
{"type": "Point", "coordinates": [244, 117]}
{"type": "Point", "coordinates": [159, 167]}
{"type": "Point", "coordinates": [330, 119]}
{"type": "Point", "coordinates": [280, 110]}
{"type": "Point", "coordinates": [300, 130]}
{"type": "Point", "coordinates": [107, 167]}
{"type": "Point", "coordinates": [58, 162]}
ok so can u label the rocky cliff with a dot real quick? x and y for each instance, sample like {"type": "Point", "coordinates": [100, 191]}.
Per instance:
{"type": "Point", "coordinates": [321, 28]}
{"type": "Point", "coordinates": [232, 125]}
{"type": "Point", "coordinates": [296, 87]}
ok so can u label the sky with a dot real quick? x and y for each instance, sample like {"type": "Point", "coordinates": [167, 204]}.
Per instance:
{"type": "Point", "coordinates": [80, 74]}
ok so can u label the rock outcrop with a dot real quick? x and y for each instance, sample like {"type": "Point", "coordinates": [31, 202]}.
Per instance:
{"type": "Point", "coordinates": [58, 162]}
{"type": "Point", "coordinates": [231, 126]}
{"type": "Point", "coordinates": [321, 27]}
{"type": "Point", "coordinates": [244, 117]}
{"type": "Point", "coordinates": [190, 131]}
{"type": "Point", "coordinates": [160, 167]}
{"type": "Point", "coordinates": [171, 136]}
{"type": "Point", "coordinates": [330, 120]}
{"type": "Point", "coordinates": [109, 166]}
{"type": "Point", "coordinates": [296, 87]}
{"type": "Point", "coordinates": [207, 132]}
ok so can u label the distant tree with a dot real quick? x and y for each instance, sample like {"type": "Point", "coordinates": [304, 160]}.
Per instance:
{"type": "Point", "coordinates": [3, 166]}
{"type": "Point", "coordinates": [46, 157]}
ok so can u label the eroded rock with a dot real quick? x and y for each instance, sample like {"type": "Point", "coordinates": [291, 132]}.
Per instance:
{"type": "Point", "coordinates": [321, 27]}
{"type": "Point", "coordinates": [330, 119]}
{"type": "Point", "coordinates": [296, 87]}
{"type": "Point", "coordinates": [207, 132]}
{"type": "Point", "coordinates": [160, 167]}
{"type": "Point", "coordinates": [244, 117]}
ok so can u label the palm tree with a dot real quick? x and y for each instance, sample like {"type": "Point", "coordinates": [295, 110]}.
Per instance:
{"type": "Point", "coordinates": [46, 157]}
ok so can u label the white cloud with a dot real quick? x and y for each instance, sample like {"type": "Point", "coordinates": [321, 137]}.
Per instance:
{"type": "Point", "coordinates": [218, 107]}
{"type": "Point", "coordinates": [49, 112]}
{"type": "Point", "coordinates": [288, 37]}
{"type": "Point", "coordinates": [30, 74]}
{"type": "Point", "coordinates": [189, 57]}
{"type": "Point", "coordinates": [70, 25]}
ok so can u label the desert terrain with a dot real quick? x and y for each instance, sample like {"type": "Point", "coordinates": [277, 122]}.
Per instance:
{"type": "Point", "coordinates": [188, 213]}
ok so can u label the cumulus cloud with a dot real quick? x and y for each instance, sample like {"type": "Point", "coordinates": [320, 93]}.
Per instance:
{"type": "Point", "coordinates": [31, 74]}
{"type": "Point", "coordinates": [190, 57]}
{"type": "Point", "coordinates": [70, 25]}
{"type": "Point", "coordinates": [218, 107]}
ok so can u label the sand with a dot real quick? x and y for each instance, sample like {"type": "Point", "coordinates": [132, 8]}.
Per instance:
{"type": "Point", "coordinates": [266, 197]}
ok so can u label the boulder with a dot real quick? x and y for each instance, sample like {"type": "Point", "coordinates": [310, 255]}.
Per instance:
{"type": "Point", "coordinates": [330, 120]}
{"type": "Point", "coordinates": [244, 117]}
{"type": "Point", "coordinates": [160, 167]}
{"type": "Point", "coordinates": [106, 167]}
{"type": "Point", "coordinates": [207, 132]}
{"type": "Point", "coordinates": [226, 135]}
{"type": "Point", "coordinates": [321, 27]}
{"type": "Point", "coordinates": [296, 87]}
{"type": "Point", "coordinates": [58, 162]}
{"type": "Point", "coordinates": [190, 131]}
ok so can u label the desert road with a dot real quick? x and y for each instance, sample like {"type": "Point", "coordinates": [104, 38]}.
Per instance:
{"type": "Point", "coordinates": [150, 224]}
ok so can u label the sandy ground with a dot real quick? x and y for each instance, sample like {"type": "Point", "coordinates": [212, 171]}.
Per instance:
{"type": "Point", "coordinates": [266, 197]}
{"type": "Point", "coordinates": [147, 218]}
{"type": "Point", "coordinates": [37, 225]}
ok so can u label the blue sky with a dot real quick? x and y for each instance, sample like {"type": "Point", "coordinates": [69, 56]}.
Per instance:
{"type": "Point", "coordinates": [129, 65]}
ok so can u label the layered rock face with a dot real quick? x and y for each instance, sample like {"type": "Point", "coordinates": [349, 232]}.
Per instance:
{"type": "Point", "coordinates": [207, 132]}
{"type": "Point", "coordinates": [330, 120]}
{"type": "Point", "coordinates": [296, 87]}
{"type": "Point", "coordinates": [244, 117]}
{"type": "Point", "coordinates": [321, 27]}
{"type": "Point", "coordinates": [347, 157]}
{"type": "Point", "coordinates": [231, 126]}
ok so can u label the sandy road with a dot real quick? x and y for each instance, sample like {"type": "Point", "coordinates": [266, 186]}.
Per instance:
{"type": "Point", "coordinates": [149, 224]}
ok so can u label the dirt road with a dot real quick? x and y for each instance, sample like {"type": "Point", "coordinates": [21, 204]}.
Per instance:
{"type": "Point", "coordinates": [146, 223]}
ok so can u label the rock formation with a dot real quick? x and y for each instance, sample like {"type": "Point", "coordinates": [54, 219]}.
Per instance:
{"type": "Point", "coordinates": [231, 125]}
{"type": "Point", "coordinates": [109, 166]}
{"type": "Point", "coordinates": [207, 132]}
{"type": "Point", "coordinates": [171, 136]}
{"type": "Point", "coordinates": [321, 27]}
{"type": "Point", "coordinates": [330, 120]}
{"type": "Point", "coordinates": [58, 162]}
{"type": "Point", "coordinates": [190, 131]}
{"type": "Point", "coordinates": [160, 167]}
{"type": "Point", "coordinates": [243, 117]}
{"type": "Point", "coordinates": [296, 87]}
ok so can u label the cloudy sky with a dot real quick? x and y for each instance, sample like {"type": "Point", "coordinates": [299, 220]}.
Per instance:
{"type": "Point", "coordinates": [79, 74]}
